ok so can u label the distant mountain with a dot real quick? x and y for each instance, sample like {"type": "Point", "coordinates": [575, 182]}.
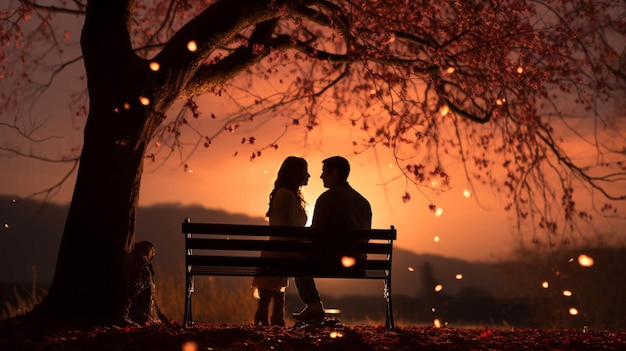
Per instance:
{"type": "Point", "coordinates": [33, 232]}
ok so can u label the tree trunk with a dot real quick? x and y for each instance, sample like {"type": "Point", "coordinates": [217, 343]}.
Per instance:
{"type": "Point", "coordinates": [100, 227]}
{"type": "Point", "coordinates": [89, 285]}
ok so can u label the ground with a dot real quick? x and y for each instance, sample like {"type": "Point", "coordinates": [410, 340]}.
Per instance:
{"type": "Point", "coordinates": [21, 336]}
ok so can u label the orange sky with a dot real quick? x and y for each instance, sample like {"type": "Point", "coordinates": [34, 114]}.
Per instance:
{"type": "Point", "coordinates": [218, 179]}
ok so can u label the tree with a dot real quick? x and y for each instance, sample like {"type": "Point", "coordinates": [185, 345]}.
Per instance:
{"type": "Point", "coordinates": [473, 80]}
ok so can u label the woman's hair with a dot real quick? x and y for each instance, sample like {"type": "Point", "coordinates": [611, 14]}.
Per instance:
{"type": "Point", "coordinates": [290, 177]}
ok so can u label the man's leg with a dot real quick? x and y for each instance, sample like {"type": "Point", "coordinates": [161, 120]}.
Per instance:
{"type": "Point", "coordinates": [311, 297]}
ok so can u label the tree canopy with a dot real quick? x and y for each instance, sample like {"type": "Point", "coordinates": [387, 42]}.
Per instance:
{"type": "Point", "coordinates": [503, 87]}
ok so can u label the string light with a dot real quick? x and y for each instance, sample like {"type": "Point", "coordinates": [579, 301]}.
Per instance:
{"type": "Point", "coordinates": [155, 66]}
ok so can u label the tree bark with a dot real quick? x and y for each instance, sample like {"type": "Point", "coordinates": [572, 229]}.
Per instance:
{"type": "Point", "coordinates": [99, 234]}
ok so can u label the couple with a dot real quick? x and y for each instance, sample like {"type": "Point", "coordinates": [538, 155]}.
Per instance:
{"type": "Point", "coordinates": [340, 207]}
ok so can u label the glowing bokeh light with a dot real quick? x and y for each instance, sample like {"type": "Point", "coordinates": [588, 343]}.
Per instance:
{"type": "Point", "coordinates": [436, 239]}
{"type": "Point", "coordinates": [545, 285]}
{"type": "Point", "coordinates": [411, 269]}
{"type": "Point", "coordinates": [438, 287]}
{"type": "Point", "coordinates": [450, 70]}
{"type": "Point", "coordinates": [439, 212]}
{"type": "Point", "coordinates": [192, 46]}
{"type": "Point", "coordinates": [391, 165]}
{"type": "Point", "coordinates": [520, 70]}
{"type": "Point", "coordinates": [573, 311]}
{"type": "Point", "coordinates": [144, 100]}
{"type": "Point", "coordinates": [459, 276]}
{"type": "Point", "coordinates": [6, 225]}
{"type": "Point", "coordinates": [444, 110]}
{"type": "Point", "coordinates": [437, 323]}
{"type": "Point", "coordinates": [467, 193]}
{"type": "Point", "coordinates": [348, 261]}
{"type": "Point", "coordinates": [335, 334]}
{"type": "Point", "coordinates": [585, 261]}
{"type": "Point", "coordinates": [190, 346]}
{"type": "Point", "coordinates": [155, 66]}
{"type": "Point", "coordinates": [567, 293]}
{"type": "Point", "coordinates": [126, 106]}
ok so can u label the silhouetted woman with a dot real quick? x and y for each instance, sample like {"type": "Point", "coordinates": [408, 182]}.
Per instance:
{"type": "Point", "coordinates": [286, 208]}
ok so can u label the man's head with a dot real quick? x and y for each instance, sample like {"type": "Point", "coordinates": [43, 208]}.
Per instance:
{"type": "Point", "coordinates": [335, 171]}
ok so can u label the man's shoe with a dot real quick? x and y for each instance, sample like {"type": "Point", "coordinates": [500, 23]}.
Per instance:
{"type": "Point", "coordinates": [311, 312]}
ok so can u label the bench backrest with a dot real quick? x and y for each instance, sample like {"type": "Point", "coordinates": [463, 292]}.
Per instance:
{"type": "Point", "coordinates": [263, 250]}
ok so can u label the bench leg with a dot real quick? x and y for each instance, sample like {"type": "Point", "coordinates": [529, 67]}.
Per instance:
{"type": "Point", "coordinates": [389, 319]}
{"type": "Point", "coordinates": [188, 318]}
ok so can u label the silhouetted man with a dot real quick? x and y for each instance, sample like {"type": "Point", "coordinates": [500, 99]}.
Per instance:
{"type": "Point", "coordinates": [339, 207]}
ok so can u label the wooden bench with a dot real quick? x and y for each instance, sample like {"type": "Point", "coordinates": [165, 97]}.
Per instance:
{"type": "Point", "coordinates": [234, 250]}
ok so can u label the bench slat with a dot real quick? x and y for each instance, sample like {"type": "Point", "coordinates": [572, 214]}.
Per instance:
{"type": "Point", "coordinates": [266, 230]}
{"type": "Point", "coordinates": [285, 245]}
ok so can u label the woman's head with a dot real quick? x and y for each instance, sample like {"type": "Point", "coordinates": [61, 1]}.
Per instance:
{"type": "Point", "coordinates": [292, 174]}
